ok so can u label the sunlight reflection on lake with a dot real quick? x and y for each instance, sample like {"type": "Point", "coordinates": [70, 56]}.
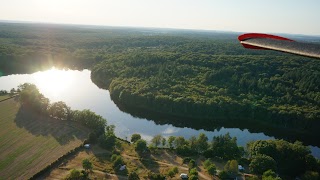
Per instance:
{"type": "Point", "coordinates": [76, 89]}
{"type": "Point", "coordinates": [54, 82]}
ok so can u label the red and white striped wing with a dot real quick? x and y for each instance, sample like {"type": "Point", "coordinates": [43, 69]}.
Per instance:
{"type": "Point", "coordinates": [277, 43]}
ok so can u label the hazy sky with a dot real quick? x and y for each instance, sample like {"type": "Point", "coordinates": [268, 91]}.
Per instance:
{"type": "Point", "coordinates": [281, 16]}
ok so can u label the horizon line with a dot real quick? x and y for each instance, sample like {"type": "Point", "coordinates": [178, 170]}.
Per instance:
{"type": "Point", "coordinates": [147, 27]}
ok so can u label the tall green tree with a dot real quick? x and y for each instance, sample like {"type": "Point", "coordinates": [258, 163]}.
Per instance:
{"type": "Point", "coordinates": [193, 143]}
{"type": "Point", "coordinates": [262, 147]}
{"type": "Point", "coordinates": [225, 147]}
{"type": "Point", "coordinates": [180, 141]}
{"type": "Point", "coordinates": [171, 140]}
{"type": "Point", "coordinates": [202, 143]}
{"type": "Point", "coordinates": [163, 142]}
{"type": "Point", "coordinates": [135, 137]}
{"type": "Point", "coordinates": [231, 167]}
{"type": "Point", "coordinates": [108, 139]}
{"type": "Point", "coordinates": [156, 140]}
{"type": "Point", "coordinates": [262, 163]}
{"type": "Point", "coordinates": [30, 97]}
{"type": "Point", "coordinates": [59, 110]}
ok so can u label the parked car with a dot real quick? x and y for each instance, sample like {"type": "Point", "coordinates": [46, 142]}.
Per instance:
{"type": "Point", "coordinates": [184, 176]}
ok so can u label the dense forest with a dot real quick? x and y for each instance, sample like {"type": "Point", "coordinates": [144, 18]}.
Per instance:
{"type": "Point", "coordinates": [191, 74]}
{"type": "Point", "coordinates": [218, 82]}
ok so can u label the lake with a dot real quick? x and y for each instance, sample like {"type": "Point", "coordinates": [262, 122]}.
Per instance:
{"type": "Point", "coordinates": [76, 89]}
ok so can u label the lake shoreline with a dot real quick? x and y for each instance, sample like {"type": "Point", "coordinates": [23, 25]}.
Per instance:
{"type": "Point", "coordinates": [253, 126]}
{"type": "Point", "coordinates": [128, 124]}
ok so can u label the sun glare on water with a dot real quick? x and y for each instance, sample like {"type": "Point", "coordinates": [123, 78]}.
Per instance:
{"type": "Point", "coordinates": [53, 82]}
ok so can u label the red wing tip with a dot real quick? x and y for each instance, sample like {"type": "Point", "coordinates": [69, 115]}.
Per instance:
{"type": "Point", "coordinates": [246, 36]}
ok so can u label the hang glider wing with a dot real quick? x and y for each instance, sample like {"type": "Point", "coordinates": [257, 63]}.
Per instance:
{"type": "Point", "coordinates": [277, 43]}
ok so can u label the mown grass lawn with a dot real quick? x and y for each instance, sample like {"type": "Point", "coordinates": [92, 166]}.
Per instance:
{"type": "Point", "coordinates": [29, 142]}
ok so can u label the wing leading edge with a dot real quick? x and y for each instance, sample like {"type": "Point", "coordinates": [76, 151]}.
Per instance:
{"type": "Point", "coordinates": [277, 43]}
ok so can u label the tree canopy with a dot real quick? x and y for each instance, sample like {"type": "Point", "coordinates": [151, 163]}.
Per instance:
{"type": "Point", "coordinates": [135, 137]}
{"type": "Point", "coordinates": [87, 165]}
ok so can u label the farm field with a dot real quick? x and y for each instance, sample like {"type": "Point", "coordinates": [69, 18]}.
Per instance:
{"type": "Point", "coordinates": [29, 142]}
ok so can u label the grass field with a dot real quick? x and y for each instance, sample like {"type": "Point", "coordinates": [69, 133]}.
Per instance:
{"type": "Point", "coordinates": [2, 97]}
{"type": "Point", "coordinates": [29, 142]}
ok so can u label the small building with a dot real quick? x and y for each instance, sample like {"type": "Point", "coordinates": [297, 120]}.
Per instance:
{"type": "Point", "coordinates": [87, 146]}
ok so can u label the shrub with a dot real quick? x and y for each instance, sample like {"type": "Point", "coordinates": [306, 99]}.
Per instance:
{"type": "Point", "coordinates": [74, 174]}
{"type": "Point", "coordinates": [193, 177]}
{"type": "Point", "coordinates": [117, 161]}
{"type": "Point", "coordinates": [270, 175]}
{"type": "Point", "coordinates": [193, 171]}
{"type": "Point", "coordinates": [173, 171]}
{"type": "Point", "coordinates": [212, 170]}
{"type": "Point", "coordinates": [191, 164]}
{"type": "Point", "coordinates": [140, 145]}
{"type": "Point", "coordinates": [87, 165]}
{"type": "Point", "coordinates": [114, 157]}
{"type": "Point", "coordinates": [155, 176]}
{"type": "Point", "coordinates": [193, 174]}
{"type": "Point", "coordinates": [231, 167]}
{"type": "Point", "coordinates": [133, 176]}
{"type": "Point", "coordinates": [186, 160]}
{"type": "Point", "coordinates": [207, 163]}
{"type": "Point", "coordinates": [223, 175]}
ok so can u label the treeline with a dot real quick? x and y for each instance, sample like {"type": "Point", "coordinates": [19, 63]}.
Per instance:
{"type": "Point", "coordinates": [26, 48]}
{"type": "Point", "coordinates": [31, 99]}
{"type": "Point", "coordinates": [263, 157]}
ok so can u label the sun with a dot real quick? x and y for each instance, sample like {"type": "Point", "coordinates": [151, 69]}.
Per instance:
{"type": "Point", "coordinates": [53, 82]}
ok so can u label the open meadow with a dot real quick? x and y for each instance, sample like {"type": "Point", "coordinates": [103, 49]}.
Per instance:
{"type": "Point", "coordinates": [28, 142]}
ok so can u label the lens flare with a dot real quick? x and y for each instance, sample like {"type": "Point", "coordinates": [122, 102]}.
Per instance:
{"type": "Point", "coordinates": [53, 81]}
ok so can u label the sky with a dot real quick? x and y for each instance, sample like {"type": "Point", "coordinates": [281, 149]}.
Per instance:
{"type": "Point", "coordinates": [265, 16]}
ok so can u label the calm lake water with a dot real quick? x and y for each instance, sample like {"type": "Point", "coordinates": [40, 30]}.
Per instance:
{"type": "Point", "coordinates": [76, 89]}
